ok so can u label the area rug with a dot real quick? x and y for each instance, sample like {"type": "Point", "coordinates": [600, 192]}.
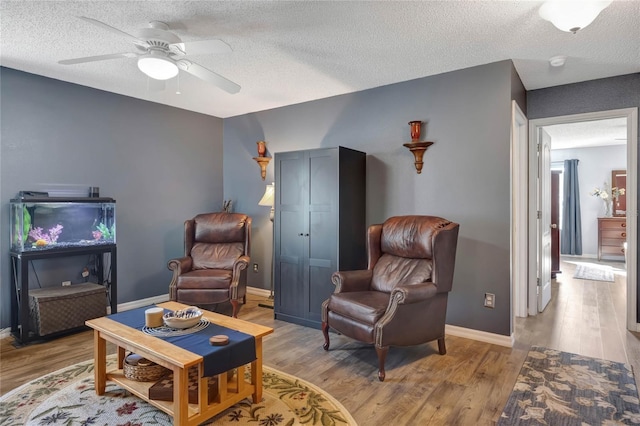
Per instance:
{"type": "Point", "coordinates": [594, 272]}
{"type": "Point", "coordinates": [560, 388]}
{"type": "Point", "coordinates": [67, 397]}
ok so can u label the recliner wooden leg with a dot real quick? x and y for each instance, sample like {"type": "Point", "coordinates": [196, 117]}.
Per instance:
{"type": "Point", "coordinates": [235, 303]}
{"type": "Point", "coordinates": [382, 355]}
{"type": "Point", "coordinates": [325, 331]}
{"type": "Point", "coordinates": [441, 347]}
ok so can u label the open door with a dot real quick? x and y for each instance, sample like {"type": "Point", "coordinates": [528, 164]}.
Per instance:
{"type": "Point", "coordinates": [544, 220]}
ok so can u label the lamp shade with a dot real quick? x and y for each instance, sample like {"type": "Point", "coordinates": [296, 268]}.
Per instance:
{"type": "Point", "coordinates": [157, 66]}
{"type": "Point", "coordinates": [571, 16]}
{"type": "Point", "coordinates": [268, 197]}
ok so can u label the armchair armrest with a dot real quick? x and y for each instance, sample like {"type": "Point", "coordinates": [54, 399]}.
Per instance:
{"type": "Point", "coordinates": [178, 266]}
{"type": "Point", "coordinates": [346, 281]}
{"type": "Point", "coordinates": [239, 266]}
{"type": "Point", "coordinates": [407, 294]}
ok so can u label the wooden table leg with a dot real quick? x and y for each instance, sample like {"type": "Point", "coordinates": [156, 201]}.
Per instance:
{"type": "Point", "coordinates": [180, 396]}
{"type": "Point", "coordinates": [121, 357]}
{"type": "Point", "coordinates": [256, 373]}
{"type": "Point", "coordinates": [99, 362]}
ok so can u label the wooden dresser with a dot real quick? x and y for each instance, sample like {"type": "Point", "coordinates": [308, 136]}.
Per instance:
{"type": "Point", "coordinates": [612, 233]}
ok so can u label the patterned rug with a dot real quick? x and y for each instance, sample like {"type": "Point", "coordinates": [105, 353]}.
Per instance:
{"type": "Point", "coordinates": [560, 388]}
{"type": "Point", "coordinates": [67, 397]}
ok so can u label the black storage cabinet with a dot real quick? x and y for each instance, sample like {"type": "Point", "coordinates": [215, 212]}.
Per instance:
{"type": "Point", "coordinates": [319, 227]}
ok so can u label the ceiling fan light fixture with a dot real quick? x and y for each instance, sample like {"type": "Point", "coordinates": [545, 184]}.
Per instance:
{"type": "Point", "coordinates": [157, 66]}
{"type": "Point", "coordinates": [570, 15]}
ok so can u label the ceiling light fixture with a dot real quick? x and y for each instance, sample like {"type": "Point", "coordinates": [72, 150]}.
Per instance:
{"type": "Point", "coordinates": [571, 16]}
{"type": "Point", "coordinates": [557, 61]}
{"type": "Point", "coordinates": [156, 65]}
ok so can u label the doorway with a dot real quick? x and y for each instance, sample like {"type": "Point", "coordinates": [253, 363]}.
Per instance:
{"type": "Point", "coordinates": [535, 130]}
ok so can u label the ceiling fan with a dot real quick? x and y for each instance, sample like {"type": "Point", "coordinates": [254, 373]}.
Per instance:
{"type": "Point", "coordinates": [161, 54]}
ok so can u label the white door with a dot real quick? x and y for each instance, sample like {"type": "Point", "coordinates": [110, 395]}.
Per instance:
{"type": "Point", "coordinates": [544, 221]}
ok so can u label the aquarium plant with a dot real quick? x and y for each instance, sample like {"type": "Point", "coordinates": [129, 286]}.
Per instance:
{"type": "Point", "coordinates": [20, 235]}
{"type": "Point", "coordinates": [103, 231]}
{"type": "Point", "coordinates": [42, 239]}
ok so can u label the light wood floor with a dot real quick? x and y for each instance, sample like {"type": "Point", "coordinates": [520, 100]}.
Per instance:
{"type": "Point", "coordinates": [468, 386]}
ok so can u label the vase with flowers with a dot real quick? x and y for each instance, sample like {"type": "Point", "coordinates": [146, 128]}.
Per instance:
{"type": "Point", "coordinates": [607, 196]}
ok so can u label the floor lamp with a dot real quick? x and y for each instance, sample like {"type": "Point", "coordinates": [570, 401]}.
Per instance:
{"type": "Point", "coordinates": [267, 200]}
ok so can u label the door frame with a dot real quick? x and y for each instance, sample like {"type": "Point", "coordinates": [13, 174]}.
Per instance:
{"type": "Point", "coordinates": [519, 201]}
{"type": "Point", "coordinates": [631, 115]}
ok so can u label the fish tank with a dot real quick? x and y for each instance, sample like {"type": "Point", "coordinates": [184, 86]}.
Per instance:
{"type": "Point", "coordinates": [53, 223]}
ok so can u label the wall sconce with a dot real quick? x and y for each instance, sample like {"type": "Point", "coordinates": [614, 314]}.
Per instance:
{"type": "Point", "coordinates": [417, 147]}
{"type": "Point", "coordinates": [571, 16]}
{"type": "Point", "coordinates": [261, 159]}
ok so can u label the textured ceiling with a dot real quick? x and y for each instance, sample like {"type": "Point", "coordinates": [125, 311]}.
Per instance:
{"type": "Point", "coordinates": [588, 133]}
{"type": "Point", "coordinates": [291, 52]}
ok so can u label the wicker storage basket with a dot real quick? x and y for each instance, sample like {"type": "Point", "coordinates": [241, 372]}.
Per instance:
{"type": "Point", "coordinates": [150, 372]}
{"type": "Point", "coordinates": [55, 309]}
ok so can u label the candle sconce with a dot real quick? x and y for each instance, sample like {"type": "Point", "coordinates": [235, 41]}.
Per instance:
{"type": "Point", "coordinates": [262, 159]}
{"type": "Point", "coordinates": [417, 147]}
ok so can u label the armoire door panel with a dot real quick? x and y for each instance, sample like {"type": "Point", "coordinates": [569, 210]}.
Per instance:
{"type": "Point", "coordinates": [319, 290]}
{"type": "Point", "coordinates": [293, 182]}
{"type": "Point", "coordinates": [291, 242]}
{"type": "Point", "coordinates": [323, 178]}
{"type": "Point", "coordinates": [288, 298]}
{"type": "Point", "coordinates": [323, 235]}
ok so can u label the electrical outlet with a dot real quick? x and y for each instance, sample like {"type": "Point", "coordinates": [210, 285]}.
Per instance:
{"type": "Point", "coordinates": [490, 300]}
{"type": "Point", "coordinates": [255, 267]}
{"type": "Point", "coordinates": [66, 283]}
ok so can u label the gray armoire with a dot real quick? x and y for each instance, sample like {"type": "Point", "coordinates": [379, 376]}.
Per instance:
{"type": "Point", "coordinates": [319, 227]}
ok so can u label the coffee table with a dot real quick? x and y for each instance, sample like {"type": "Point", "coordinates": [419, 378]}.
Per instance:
{"type": "Point", "coordinates": [231, 388]}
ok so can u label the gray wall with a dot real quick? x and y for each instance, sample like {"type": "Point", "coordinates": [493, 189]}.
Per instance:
{"type": "Point", "coordinates": [161, 164]}
{"type": "Point", "coordinates": [590, 96]}
{"type": "Point", "coordinates": [465, 177]}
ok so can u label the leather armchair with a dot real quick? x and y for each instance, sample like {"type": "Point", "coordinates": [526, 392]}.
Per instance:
{"type": "Point", "coordinates": [216, 256]}
{"type": "Point", "coordinates": [401, 299]}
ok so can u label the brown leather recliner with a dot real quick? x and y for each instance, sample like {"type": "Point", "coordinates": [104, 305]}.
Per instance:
{"type": "Point", "coordinates": [216, 256]}
{"type": "Point", "coordinates": [401, 299]}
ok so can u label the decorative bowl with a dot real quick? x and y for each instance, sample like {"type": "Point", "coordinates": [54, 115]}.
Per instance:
{"type": "Point", "coordinates": [184, 318]}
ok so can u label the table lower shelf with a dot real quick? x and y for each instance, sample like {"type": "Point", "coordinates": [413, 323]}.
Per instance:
{"type": "Point", "coordinates": [231, 389]}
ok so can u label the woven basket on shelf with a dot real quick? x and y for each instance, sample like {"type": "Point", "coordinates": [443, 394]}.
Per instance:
{"type": "Point", "coordinates": [144, 373]}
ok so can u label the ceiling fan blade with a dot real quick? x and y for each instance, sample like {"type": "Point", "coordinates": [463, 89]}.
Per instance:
{"type": "Point", "coordinates": [209, 76]}
{"type": "Point", "coordinates": [104, 26]}
{"type": "Point", "coordinates": [98, 58]}
{"type": "Point", "coordinates": [200, 47]}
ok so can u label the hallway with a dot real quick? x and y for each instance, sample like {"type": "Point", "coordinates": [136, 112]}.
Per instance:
{"type": "Point", "coordinates": [585, 317]}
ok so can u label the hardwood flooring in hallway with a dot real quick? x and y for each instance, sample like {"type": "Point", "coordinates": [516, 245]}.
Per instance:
{"type": "Point", "coordinates": [586, 317]}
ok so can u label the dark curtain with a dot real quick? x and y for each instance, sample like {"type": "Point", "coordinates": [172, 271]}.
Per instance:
{"type": "Point", "coordinates": [571, 232]}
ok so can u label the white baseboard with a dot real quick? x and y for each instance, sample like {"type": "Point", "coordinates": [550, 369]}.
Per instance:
{"type": "Point", "coordinates": [258, 291]}
{"type": "Point", "coordinates": [142, 302]}
{"type": "Point", "coordinates": [482, 336]}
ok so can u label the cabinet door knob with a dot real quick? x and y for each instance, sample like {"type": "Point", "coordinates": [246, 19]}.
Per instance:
{"type": "Point", "coordinates": [623, 224]}
{"type": "Point", "coordinates": [306, 235]}
{"type": "Point", "coordinates": [300, 234]}
{"type": "Point", "coordinates": [554, 226]}
{"type": "Point", "coordinates": [624, 234]}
